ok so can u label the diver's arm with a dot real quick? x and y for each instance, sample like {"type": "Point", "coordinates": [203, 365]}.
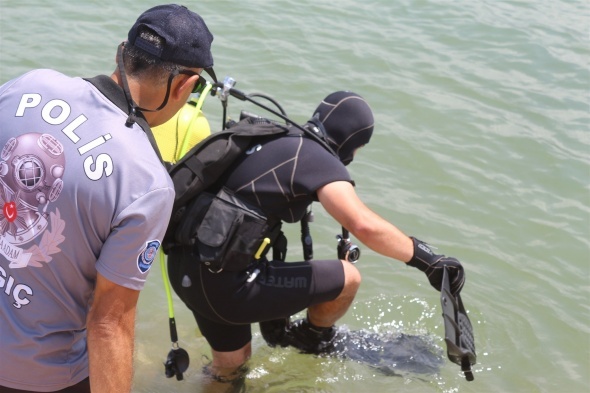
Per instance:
{"type": "Point", "coordinates": [341, 202]}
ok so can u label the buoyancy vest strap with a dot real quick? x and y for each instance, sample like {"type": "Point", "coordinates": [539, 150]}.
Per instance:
{"type": "Point", "coordinates": [195, 165]}
{"type": "Point", "coordinates": [278, 241]}
{"type": "Point", "coordinates": [279, 248]}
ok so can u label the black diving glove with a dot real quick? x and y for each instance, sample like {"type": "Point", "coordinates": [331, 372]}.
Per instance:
{"type": "Point", "coordinates": [432, 265]}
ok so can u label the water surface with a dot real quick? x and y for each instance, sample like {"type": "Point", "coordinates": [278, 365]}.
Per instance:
{"type": "Point", "coordinates": [481, 147]}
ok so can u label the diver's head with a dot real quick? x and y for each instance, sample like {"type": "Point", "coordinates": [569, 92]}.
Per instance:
{"type": "Point", "coordinates": [348, 123]}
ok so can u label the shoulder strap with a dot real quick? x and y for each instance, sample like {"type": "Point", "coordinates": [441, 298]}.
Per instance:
{"type": "Point", "coordinates": [202, 166]}
{"type": "Point", "coordinates": [148, 132]}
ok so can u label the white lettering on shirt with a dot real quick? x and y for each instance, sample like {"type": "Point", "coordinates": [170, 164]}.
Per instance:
{"type": "Point", "coordinates": [57, 112]}
{"type": "Point", "coordinates": [16, 291]}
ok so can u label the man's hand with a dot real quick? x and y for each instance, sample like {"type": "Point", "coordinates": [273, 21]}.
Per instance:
{"type": "Point", "coordinates": [432, 265]}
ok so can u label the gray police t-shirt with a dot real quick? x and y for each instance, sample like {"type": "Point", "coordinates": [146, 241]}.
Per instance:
{"type": "Point", "coordinates": [79, 193]}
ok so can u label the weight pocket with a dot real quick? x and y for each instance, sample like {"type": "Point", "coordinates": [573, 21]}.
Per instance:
{"type": "Point", "coordinates": [231, 233]}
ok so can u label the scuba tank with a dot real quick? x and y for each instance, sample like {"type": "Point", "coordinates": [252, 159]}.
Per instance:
{"type": "Point", "coordinates": [184, 130]}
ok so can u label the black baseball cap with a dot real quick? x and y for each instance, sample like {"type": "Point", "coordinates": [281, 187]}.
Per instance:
{"type": "Point", "coordinates": [187, 38]}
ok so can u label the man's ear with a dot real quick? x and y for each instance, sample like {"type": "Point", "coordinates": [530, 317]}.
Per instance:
{"type": "Point", "coordinates": [186, 82]}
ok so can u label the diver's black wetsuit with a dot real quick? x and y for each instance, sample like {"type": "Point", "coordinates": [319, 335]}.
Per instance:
{"type": "Point", "coordinates": [281, 176]}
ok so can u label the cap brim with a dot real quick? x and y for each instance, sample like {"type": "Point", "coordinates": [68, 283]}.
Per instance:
{"type": "Point", "coordinates": [209, 70]}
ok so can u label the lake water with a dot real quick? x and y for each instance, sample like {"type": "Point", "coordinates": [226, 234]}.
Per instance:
{"type": "Point", "coordinates": [481, 147]}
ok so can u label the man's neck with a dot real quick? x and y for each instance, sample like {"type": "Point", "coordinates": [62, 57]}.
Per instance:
{"type": "Point", "coordinates": [141, 95]}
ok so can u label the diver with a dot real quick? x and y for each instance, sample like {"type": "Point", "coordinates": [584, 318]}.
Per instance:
{"type": "Point", "coordinates": [281, 177]}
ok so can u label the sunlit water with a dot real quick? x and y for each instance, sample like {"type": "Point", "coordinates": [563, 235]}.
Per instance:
{"type": "Point", "coordinates": [481, 147]}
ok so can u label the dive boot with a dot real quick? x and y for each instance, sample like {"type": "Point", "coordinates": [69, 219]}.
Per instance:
{"type": "Point", "coordinates": [274, 332]}
{"type": "Point", "coordinates": [311, 339]}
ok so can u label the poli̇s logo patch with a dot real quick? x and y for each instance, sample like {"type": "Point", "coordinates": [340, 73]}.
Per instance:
{"type": "Point", "coordinates": [147, 256]}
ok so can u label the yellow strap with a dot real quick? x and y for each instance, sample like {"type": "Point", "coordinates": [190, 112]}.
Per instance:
{"type": "Point", "coordinates": [185, 148]}
{"type": "Point", "coordinates": [166, 283]}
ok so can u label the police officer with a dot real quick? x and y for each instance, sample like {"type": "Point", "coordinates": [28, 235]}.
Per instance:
{"type": "Point", "coordinates": [85, 203]}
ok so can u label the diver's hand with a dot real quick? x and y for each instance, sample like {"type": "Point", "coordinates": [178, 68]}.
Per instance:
{"type": "Point", "coordinates": [432, 265]}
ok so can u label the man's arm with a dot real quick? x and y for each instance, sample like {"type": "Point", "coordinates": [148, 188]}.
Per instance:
{"type": "Point", "coordinates": [111, 333]}
{"type": "Point", "coordinates": [341, 202]}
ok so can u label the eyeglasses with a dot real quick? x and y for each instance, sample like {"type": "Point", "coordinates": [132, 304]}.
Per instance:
{"type": "Point", "coordinates": [199, 84]}
{"type": "Point", "coordinates": [198, 88]}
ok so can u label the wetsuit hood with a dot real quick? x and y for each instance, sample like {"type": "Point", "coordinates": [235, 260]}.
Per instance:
{"type": "Point", "coordinates": [348, 122]}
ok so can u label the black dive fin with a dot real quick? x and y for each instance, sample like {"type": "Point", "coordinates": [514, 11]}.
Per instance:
{"type": "Point", "coordinates": [458, 330]}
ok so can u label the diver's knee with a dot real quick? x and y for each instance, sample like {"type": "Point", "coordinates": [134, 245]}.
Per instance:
{"type": "Point", "coordinates": [352, 277]}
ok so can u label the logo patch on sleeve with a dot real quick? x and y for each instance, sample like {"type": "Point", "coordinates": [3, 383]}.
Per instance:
{"type": "Point", "coordinates": [147, 256]}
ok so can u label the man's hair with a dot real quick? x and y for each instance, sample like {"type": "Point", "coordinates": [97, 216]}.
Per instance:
{"type": "Point", "coordinates": [139, 63]}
